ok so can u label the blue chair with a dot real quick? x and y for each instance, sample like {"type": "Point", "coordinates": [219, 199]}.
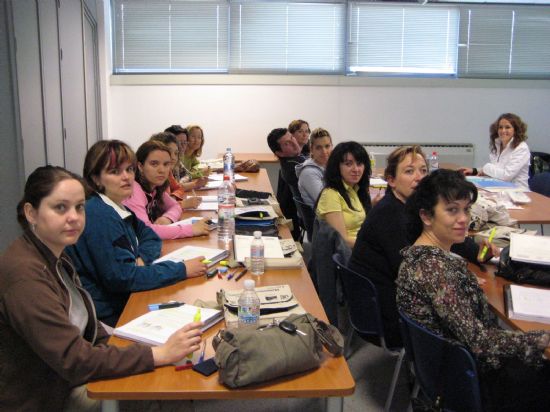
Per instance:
{"type": "Point", "coordinates": [444, 369]}
{"type": "Point", "coordinates": [540, 183]}
{"type": "Point", "coordinates": [540, 163]}
{"type": "Point", "coordinates": [365, 317]}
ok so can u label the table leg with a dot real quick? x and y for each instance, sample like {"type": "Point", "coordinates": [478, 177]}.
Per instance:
{"type": "Point", "coordinates": [109, 406]}
{"type": "Point", "coordinates": [334, 404]}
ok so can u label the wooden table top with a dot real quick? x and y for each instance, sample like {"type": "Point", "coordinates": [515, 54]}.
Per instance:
{"type": "Point", "coordinates": [333, 378]}
{"type": "Point", "coordinates": [260, 157]}
{"type": "Point", "coordinates": [494, 290]}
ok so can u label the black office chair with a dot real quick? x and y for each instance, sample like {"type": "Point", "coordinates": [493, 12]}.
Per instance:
{"type": "Point", "coordinates": [540, 183]}
{"type": "Point", "coordinates": [444, 370]}
{"type": "Point", "coordinates": [306, 215]}
{"type": "Point", "coordinates": [540, 163]}
{"type": "Point", "coordinates": [365, 316]}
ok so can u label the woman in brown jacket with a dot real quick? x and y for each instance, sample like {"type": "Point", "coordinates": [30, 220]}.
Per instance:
{"type": "Point", "coordinates": [50, 340]}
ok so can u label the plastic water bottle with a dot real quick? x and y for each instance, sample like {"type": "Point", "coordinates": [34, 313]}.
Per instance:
{"type": "Point", "coordinates": [249, 305]}
{"type": "Point", "coordinates": [257, 261]}
{"type": "Point", "coordinates": [433, 162]}
{"type": "Point", "coordinates": [372, 162]}
{"type": "Point", "coordinates": [229, 164]}
{"type": "Point", "coordinates": [226, 210]}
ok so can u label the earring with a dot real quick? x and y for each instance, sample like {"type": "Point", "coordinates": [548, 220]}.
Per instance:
{"type": "Point", "coordinates": [33, 227]}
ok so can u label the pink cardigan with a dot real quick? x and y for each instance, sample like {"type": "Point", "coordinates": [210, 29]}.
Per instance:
{"type": "Point", "coordinates": [172, 210]}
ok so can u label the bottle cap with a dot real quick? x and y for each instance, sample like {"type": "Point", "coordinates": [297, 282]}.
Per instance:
{"type": "Point", "coordinates": [249, 284]}
{"type": "Point", "coordinates": [257, 234]}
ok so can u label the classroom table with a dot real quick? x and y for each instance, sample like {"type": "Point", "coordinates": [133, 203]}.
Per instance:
{"type": "Point", "coordinates": [494, 290]}
{"type": "Point", "coordinates": [332, 380]}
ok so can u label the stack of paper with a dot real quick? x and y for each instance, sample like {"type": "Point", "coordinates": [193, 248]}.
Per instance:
{"type": "Point", "coordinates": [219, 177]}
{"type": "Point", "coordinates": [527, 303]}
{"type": "Point", "coordinates": [207, 203]}
{"type": "Point", "coordinates": [191, 252]}
{"type": "Point", "coordinates": [154, 328]}
{"type": "Point", "coordinates": [272, 247]}
{"type": "Point", "coordinates": [530, 248]}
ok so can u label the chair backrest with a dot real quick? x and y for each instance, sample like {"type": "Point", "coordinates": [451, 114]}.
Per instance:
{"type": "Point", "coordinates": [540, 163]}
{"type": "Point", "coordinates": [443, 367]}
{"type": "Point", "coordinates": [306, 215]}
{"type": "Point", "coordinates": [540, 183]}
{"type": "Point", "coordinates": [362, 299]}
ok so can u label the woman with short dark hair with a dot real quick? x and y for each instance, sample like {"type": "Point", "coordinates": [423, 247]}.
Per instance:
{"type": "Point", "coordinates": [436, 289]}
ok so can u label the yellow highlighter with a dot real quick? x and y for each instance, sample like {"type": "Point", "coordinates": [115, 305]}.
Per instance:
{"type": "Point", "coordinates": [196, 318]}
{"type": "Point", "coordinates": [486, 248]}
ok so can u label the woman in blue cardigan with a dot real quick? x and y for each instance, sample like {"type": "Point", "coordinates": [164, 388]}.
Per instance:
{"type": "Point", "coordinates": [115, 254]}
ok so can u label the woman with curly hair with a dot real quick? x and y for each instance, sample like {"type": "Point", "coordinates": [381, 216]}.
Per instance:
{"type": "Point", "coordinates": [509, 157]}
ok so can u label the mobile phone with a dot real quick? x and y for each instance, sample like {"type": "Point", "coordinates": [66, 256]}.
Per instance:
{"type": "Point", "coordinates": [206, 368]}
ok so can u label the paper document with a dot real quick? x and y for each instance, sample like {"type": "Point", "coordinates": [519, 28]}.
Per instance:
{"type": "Point", "coordinates": [155, 327]}
{"type": "Point", "coordinates": [530, 248]}
{"type": "Point", "coordinates": [272, 247]}
{"type": "Point", "coordinates": [211, 184]}
{"type": "Point", "coordinates": [219, 177]}
{"type": "Point", "coordinates": [209, 199]}
{"type": "Point", "coordinates": [528, 303]}
{"type": "Point", "coordinates": [377, 182]}
{"type": "Point", "coordinates": [206, 206]}
{"type": "Point", "coordinates": [191, 252]}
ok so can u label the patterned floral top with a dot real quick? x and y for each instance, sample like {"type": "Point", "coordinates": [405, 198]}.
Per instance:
{"type": "Point", "coordinates": [436, 289]}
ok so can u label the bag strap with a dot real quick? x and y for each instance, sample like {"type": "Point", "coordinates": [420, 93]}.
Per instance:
{"type": "Point", "coordinates": [330, 337]}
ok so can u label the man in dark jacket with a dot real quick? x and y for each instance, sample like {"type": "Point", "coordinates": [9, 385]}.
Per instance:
{"type": "Point", "coordinates": [285, 147]}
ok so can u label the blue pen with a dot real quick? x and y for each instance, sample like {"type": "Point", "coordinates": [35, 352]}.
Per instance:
{"type": "Point", "coordinates": [201, 358]}
{"type": "Point", "coordinates": [167, 305]}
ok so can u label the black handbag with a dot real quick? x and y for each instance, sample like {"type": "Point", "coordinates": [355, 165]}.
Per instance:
{"type": "Point", "coordinates": [521, 272]}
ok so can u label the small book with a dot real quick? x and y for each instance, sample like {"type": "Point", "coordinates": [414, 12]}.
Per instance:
{"type": "Point", "coordinates": [191, 252]}
{"type": "Point", "coordinates": [527, 303]}
{"type": "Point", "coordinates": [155, 327]}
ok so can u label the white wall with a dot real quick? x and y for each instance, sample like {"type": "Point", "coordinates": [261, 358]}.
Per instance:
{"type": "Point", "coordinates": [241, 116]}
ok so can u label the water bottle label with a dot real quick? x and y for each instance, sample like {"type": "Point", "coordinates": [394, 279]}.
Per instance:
{"type": "Point", "coordinates": [247, 316]}
{"type": "Point", "coordinates": [257, 252]}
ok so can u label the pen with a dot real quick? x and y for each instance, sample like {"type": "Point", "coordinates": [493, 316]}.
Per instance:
{"type": "Point", "coordinates": [201, 358]}
{"type": "Point", "coordinates": [241, 274]}
{"type": "Point", "coordinates": [167, 305]}
{"type": "Point", "coordinates": [230, 276]}
{"type": "Point", "coordinates": [486, 248]}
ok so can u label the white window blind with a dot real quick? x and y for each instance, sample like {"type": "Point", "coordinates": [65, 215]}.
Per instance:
{"type": "Point", "coordinates": [287, 36]}
{"type": "Point", "coordinates": [505, 41]}
{"type": "Point", "coordinates": [402, 39]}
{"type": "Point", "coordinates": [170, 36]}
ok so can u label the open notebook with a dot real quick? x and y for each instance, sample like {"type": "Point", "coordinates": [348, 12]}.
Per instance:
{"type": "Point", "coordinates": [155, 327]}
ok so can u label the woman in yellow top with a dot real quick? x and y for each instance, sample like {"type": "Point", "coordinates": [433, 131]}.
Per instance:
{"type": "Point", "coordinates": [345, 200]}
{"type": "Point", "coordinates": [189, 160]}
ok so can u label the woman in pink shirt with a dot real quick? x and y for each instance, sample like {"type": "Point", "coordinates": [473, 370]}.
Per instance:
{"type": "Point", "coordinates": [150, 201]}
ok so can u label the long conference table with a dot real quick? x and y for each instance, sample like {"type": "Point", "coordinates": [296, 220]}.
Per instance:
{"type": "Point", "coordinates": [332, 380]}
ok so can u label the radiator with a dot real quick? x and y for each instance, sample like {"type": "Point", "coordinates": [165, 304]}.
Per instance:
{"type": "Point", "coordinates": [460, 154]}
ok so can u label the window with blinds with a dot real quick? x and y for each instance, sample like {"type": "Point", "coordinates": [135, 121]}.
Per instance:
{"type": "Point", "coordinates": [505, 42]}
{"type": "Point", "coordinates": [402, 39]}
{"type": "Point", "coordinates": [331, 37]}
{"type": "Point", "coordinates": [158, 36]}
{"type": "Point", "coordinates": [288, 37]}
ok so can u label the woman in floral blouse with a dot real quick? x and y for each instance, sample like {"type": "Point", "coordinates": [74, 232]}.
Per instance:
{"type": "Point", "coordinates": [436, 289]}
